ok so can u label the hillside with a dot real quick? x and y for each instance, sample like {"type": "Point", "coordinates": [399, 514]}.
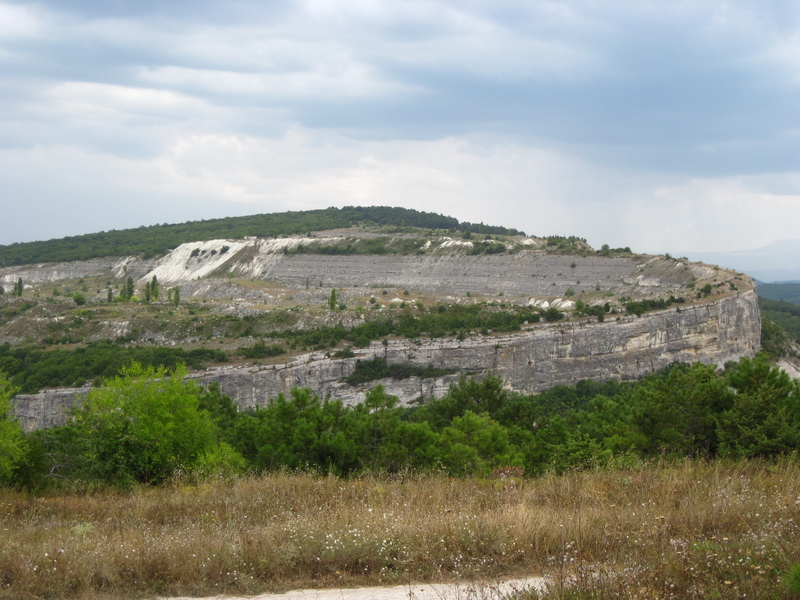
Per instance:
{"type": "Point", "coordinates": [234, 291]}
{"type": "Point", "coordinates": [786, 315]}
{"type": "Point", "coordinates": [269, 314]}
{"type": "Point", "coordinates": [785, 292]}
{"type": "Point", "coordinates": [157, 240]}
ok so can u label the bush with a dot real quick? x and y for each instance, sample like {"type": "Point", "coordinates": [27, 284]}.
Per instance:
{"type": "Point", "coordinates": [379, 368]}
{"type": "Point", "coordinates": [143, 427]}
{"type": "Point", "coordinates": [552, 314]}
{"type": "Point", "coordinates": [12, 441]}
{"type": "Point", "coordinates": [261, 350]}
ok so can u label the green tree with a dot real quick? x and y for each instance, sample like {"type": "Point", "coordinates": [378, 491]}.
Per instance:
{"type": "Point", "coordinates": [468, 394]}
{"type": "Point", "coordinates": [143, 426]}
{"type": "Point", "coordinates": [12, 440]}
{"type": "Point", "coordinates": [18, 287]}
{"type": "Point", "coordinates": [154, 287]}
{"type": "Point", "coordinates": [176, 296]}
{"type": "Point", "coordinates": [764, 420]}
{"type": "Point", "coordinates": [333, 299]}
{"type": "Point", "coordinates": [677, 410]}
{"type": "Point", "coordinates": [475, 444]}
{"type": "Point", "coordinates": [222, 410]}
{"type": "Point", "coordinates": [377, 399]}
{"type": "Point", "coordinates": [305, 432]}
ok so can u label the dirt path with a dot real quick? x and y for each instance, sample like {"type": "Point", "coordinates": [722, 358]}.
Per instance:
{"type": "Point", "coordinates": [421, 591]}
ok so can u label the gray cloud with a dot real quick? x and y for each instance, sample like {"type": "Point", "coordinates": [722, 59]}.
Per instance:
{"type": "Point", "coordinates": [574, 117]}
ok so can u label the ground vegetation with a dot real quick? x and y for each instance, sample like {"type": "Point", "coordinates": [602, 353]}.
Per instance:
{"type": "Point", "coordinates": [662, 529]}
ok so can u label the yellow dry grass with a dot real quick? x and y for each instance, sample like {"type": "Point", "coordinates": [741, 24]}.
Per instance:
{"type": "Point", "coordinates": [669, 530]}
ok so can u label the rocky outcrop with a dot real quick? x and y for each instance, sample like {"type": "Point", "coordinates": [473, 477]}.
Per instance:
{"type": "Point", "coordinates": [523, 272]}
{"type": "Point", "coordinates": [97, 267]}
{"type": "Point", "coordinates": [526, 271]}
{"type": "Point", "coordinates": [529, 361]}
{"type": "Point", "coordinates": [49, 408]}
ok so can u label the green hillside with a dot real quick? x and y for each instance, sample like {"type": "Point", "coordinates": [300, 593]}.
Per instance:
{"type": "Point", "coordinates": [787, 292]}
{"type": "Point", "coordinates": [159, 239]}
{"type": "Point", "coordinates": [783, 314]}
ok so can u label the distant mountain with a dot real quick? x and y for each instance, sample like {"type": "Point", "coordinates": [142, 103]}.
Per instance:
{"type": "Point", "coordinates": [786, 292]}
{"type": "Point", "coordinates": [779, 261]}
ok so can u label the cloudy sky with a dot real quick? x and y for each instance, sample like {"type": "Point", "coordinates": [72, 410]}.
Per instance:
{"type": "Point", "coordinates": [663, 125]}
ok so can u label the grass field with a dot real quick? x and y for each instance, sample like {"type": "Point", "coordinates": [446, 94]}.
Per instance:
{"type": "Point", "coordinates": [685, 530]}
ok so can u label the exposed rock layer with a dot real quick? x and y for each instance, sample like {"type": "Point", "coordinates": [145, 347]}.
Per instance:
{"type": "Point", "coordinates": [526, 272]}
{"type": "Point", "coordinates": [533, 360]}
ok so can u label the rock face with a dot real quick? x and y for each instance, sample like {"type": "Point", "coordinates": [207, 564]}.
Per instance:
{"type": "Point", "coordinates": [96, 267]}
{"type": "Point", "coordinates": [535, 359]}
{"type": "Point", "coordinates": [525, 272]}
{"type": "Point", "coordinates": [202, 268]}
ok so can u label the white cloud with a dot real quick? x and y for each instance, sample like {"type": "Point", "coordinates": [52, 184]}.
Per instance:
{"type": "Point", "coordinates": [730, 213]}
{"type": "Point", "coordinates": [335, 76]}
{"type": "Point", "coordinates": [498, 182]}
{"type": "Point", "coordinates": [17, 22]}
{"type": "Point", "coordinates": [659, 125]}
{"type": "Point", "coordinates": [88, 101]}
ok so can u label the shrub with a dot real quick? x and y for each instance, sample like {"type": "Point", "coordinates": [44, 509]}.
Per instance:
{"type": "Point", "coordinates": [261, 350]}
{"type": "Point", "coordinates": [143, 427]}
{"type": "Point", "coordinates": [12, 441]}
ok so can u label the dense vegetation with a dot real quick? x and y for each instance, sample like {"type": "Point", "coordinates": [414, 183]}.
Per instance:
{"type": "Point", "coordinates": [442, 320]}
{"type": "Point", "coordinates": [751, 410]}
{"type": "Point", "coordinates": [156, 240]}
{"type": "Point", "coordinates": [783, 314]}
{"type": "Point", "coordinates": [379, 368]}
{"type": "Point", "coordinates": [639, 307]}
{"type": "Point", "coordinates": [31, 369]}
{"type": "Point", "coordinates": [363, 246]}
{"type": "Point", "coordinates": [788, 292]}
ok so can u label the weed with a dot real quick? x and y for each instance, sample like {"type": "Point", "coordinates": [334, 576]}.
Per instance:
{"type": "Point", "coordinates": [685, 530]}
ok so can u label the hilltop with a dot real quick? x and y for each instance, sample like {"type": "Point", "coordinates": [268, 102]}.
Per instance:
{"type": "Point", "coordinates": [157, 240]}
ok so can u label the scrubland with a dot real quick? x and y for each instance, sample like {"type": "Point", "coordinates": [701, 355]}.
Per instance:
{"type": "Point", "coordinates": [688, 529]}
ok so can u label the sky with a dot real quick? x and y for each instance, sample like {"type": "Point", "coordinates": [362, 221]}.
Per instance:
{"type": "Point", "coordinates": [662, 125]}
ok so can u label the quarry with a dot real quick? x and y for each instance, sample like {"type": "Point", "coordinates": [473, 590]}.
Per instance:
{"type": "Point", "coordinates": [234, 293]}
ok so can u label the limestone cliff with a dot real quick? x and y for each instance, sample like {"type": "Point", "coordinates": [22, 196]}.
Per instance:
{"type": "Point", "coordinates": [537, 358]}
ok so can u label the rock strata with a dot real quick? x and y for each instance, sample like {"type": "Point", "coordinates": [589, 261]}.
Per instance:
{"type": "Point", "coordinates": [530, 361]}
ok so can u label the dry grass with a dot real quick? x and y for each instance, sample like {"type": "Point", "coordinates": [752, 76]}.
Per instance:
{"type": "Point", "coordinates": [687, 530]}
